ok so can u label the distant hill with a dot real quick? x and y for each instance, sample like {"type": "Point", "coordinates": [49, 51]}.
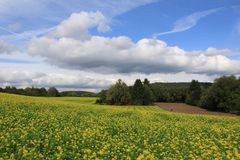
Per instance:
{"type": "Point", "coordinates": [180, 84]}
{"type": "Point", "coordinates": [78, 94]}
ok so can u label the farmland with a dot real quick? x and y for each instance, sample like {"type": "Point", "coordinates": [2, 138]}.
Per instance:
{"type": "Point", "coordinates": [76, 128]}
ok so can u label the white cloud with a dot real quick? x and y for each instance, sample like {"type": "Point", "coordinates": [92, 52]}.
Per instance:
{"type": "Point", "coordinates": [121, 55]}
{"type": "Point", "coordinates": [77, 25]}
{"type": "Point", "coordinates": [187, 22]}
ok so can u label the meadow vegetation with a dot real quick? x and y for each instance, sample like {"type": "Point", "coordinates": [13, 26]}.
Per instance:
{"type": "Point", "coordinates": [77, 128]}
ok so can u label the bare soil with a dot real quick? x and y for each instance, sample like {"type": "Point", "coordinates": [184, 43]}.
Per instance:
{"type": "Point", "coordinates": [185, 108]}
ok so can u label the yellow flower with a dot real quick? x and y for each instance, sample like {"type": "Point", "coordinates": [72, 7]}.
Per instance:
{"type": "Point", "coordinates": [59, 150]}
{"type": "Point", "coordinates": [24, 152]}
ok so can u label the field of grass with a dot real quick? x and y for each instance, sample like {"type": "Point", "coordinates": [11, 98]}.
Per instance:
{"type": "Point", "coordinates": [76, 128]}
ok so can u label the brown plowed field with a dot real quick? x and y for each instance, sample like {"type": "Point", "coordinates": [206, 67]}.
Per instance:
{"type": "Point", "coordinates": [184, 108]}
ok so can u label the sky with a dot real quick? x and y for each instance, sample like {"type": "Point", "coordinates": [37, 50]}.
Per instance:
{"type": "Point", "coordinates": [89, 45]}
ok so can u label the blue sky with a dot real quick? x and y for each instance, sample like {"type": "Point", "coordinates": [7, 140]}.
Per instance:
{"type": "Point", "coordinates": [216, 30]}
{"type": "Point", "coordinates": [177, 32]}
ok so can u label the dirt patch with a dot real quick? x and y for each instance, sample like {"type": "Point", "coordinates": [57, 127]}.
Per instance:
{"type": "Point", "coordinates": [185, 108]}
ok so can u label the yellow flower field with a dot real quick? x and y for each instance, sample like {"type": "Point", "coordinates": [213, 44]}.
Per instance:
{"type": "Point", "coordinates": [76, 128]}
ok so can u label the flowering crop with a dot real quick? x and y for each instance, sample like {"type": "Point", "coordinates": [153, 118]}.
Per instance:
{"type": "Point", "coordinates": [76, 128]}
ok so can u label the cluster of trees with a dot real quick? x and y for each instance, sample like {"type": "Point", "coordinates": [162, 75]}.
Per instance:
{"type": "Point", "coordinates": [121, 94]}
{"type": "Point", "coordinates": [51, 92]}
{"type": "Point", "coordinates": [173, 92]}
{"type": "Point", "coordinates": [222, 95]}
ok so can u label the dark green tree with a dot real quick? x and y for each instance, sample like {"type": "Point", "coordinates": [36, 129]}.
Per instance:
{"type": "Point", "coordinates": [194, 93]}
{"type": "Point", "coordinates": [53, 92]}
{"type": "Point", "coordinates": [102, 97]}
{"type": "Point", "coordinates": [148, 97]}
{"type": "Point", "coordinates": [137, 92]}
{"type": "Point", "coordinates": [43, 91]}
{"type": "Point", "coordinates": [119, 94]}
{"type": "Point", "coordinates": [146, 82]}
{"type": "Point", "coordinates": [223, 95]}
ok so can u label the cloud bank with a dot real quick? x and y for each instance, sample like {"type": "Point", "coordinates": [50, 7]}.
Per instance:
{"type": "Point", "coordinates": [81, 51]}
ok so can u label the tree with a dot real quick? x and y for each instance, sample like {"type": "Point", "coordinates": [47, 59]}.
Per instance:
{"type": "Point", "coordinates": [102, 97]}
{"type": "Point", "coordinates": [194, 93]}
{"type": "Point", "coordinates": [53, 92]}
{"type": "Point", "coordinates": [119, 94]}
{"type": "Point", "coordinates": [223, 95]}
{"type": "Point", "coordinates": [43, 91]}
{"type": "Point", "coordinates": [146, 82]}
{"type": "Point", "coordinates": [148, 97]}
{"type": "Point", "coordinates": [137, 92]}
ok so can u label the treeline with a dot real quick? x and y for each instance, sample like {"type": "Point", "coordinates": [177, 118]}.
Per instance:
{"type": "Point", "coordinates": [78, 94]}
{"type": "Point", "coordinates": [173, 92]}
{"type": "Point", "coordinates": [33, 91]}
{"type": "Point", "coordinates": [43, 92]}
{"type": "Point", "coordinates": [222, 95]}
{"type": "Point", "coordinates": [120, 94]}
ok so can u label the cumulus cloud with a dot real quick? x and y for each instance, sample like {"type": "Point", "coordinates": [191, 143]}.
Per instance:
{"type": "Point", "coordinates": [122, 55]}
{"type": "Point", "coordinates": [77, 25]}
{"type": "Point", "coordinates": [187, 22]}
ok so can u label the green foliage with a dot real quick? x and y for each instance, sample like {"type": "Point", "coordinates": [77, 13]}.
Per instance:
{"type": "Point", "coordinates": [194, 93]}
{"type": "Point", "coordinates": [137, 92]}
{"type": "Point", "coordinates": [142, 93]}
{"type": "Point", "coordinates": [119, 94]}
{"type": "Point", "coordinates": [102, 97]}
{"type": "Point", "coordinates": [169, 93]}
{"type": "Point", "coordinates": [77, 94]}
{"type": "Point", "coordinates": [224, 95]}
{"type": "Point", "coordinates": [53, 92]}
{"type": "Point", "coordinates": [148, 97]}
{"type": "Point", "coordinates": [29, 91]}
{"type": "Point", "coordinates": [146, 82]}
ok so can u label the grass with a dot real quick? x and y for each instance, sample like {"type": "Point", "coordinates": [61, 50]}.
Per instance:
{"type": "Point", "coordinates": [76, 128]}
